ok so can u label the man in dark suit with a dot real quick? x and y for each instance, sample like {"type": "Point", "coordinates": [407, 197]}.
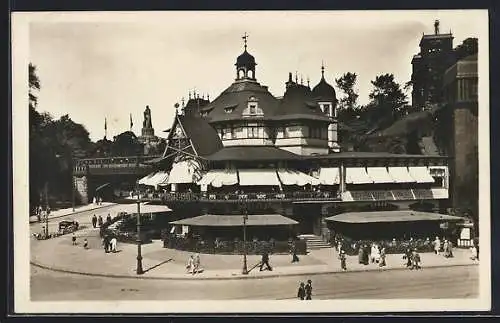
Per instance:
{"type": "Point", "coordinates": [309, 289]}
{"type": "Point", "coordinates": [265, 261]}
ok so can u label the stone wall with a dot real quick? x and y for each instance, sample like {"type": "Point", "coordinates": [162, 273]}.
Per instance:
{"type": "Point", "coordinates": [81, 189]}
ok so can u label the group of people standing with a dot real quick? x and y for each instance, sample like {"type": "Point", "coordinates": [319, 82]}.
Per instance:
{"type": "Point", "coordinates": [374, 254]}
{"type": "Point", "coordinates": [109, 243]}
{"type": "Point", "coordinates": [193, 265]}
{"type": "Point", "coordinates": [98, 221]}
{"type": "Point", "coordinates": [97, 200]}
{"type": "Point", "coordinates": [446, 247]}
{"type": "Point", "coordinates": [305, 291]}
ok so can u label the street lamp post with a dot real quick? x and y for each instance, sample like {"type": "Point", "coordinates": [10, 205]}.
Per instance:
{"type": "Point", "coordinates": [245, 218]}
{"type": "Point", "coordinates": [72, 184]}
{"type": "Point", "coordinates": [139, 269]}
{"type": "Point", "coordinates": [46, 209]}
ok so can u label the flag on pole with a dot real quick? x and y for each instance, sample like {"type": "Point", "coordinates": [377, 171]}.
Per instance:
{"type": "Point", "coordinates": [131, 122]}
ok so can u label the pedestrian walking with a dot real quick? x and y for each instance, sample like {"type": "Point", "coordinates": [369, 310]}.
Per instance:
{"type": "Point", "coordinates": [308, 289]}
{"type": "Point", "coordinates": [407, 256]}
{"type": "Point", "coordinates": [373, 253]}
{"type": "Point", "coordinates": [415, 260]}
{"type": "Point", "coordinates": [100, 221]}
{"type": "Point", "coordinates": [196, 263]}
{"type": "Point", "coordinates": [108, 218]}
{"type": "Point", "coordinates": [85, 243]}
{"type": "Point", "coordinates": [382, 258]}
{"type": "Point", "coordinates": [361, 254]}
{"type": "Point", "coordinates": [445, 248]}
{"type": "Point", "coordinates": [190, 264]}
{"type": "Point", "coordinates": [301, 293]}
{"type": "Point", "coordinates": [105, 243]}
{"type": "Point", "coordinates": [265, 261]}
{"type": "Point", "coordinates": [343, 259]}
{"type": "Point", "coordinates": [94, 221]}
{"type": "Point", "coordinates": [473, 251]}
{"type": "Point", "coordinates": [437, 246]}
{"type": "Point", "coordinates": [73, 239]}
{"type": "Point", "coordinates": [450, 249]}
{"type": "Point", "coordinates": [293, 251]}
{"type": "Point", "coordinates": [113, 242]}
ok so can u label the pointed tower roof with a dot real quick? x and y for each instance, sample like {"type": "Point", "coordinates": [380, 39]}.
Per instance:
{"type": "Point", "coordinates": [324, 91]}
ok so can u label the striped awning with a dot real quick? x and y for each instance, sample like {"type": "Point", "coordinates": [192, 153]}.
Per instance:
{"type": "Point", "coordinates": [379, 175]}
{"type": "Point", "coordinates": [401, 175]}
{"type": "Point", "coordinates": [357, 175]}
{"type": "Point", "coordinates": [294, 177]}
{"type": "Point", "coordinates": [329, 176]}
{"type": "Point", "coordinates": [186, 171]}
{"type": "Point", "coordinates": [391, 216]}
{"type": "Point", "coordinates": [421, 174]}
{"type": "Point", "coordinates": [219, 178]}
{"type": "Point", "coordinates": [258, 177]}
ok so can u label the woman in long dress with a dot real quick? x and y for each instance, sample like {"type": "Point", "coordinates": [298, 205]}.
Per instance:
{"type": "Point", "coordinates": [437, 246]}
{"type": "Point", "coordinates": [190, 264]}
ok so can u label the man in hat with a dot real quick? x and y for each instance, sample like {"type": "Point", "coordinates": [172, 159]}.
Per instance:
{"type": "Point", "coordinates": [94, 221]}
{"type": "Point", "coordinates": [293, 251]}
{"type": "Point", "coordinates": [308, 288]}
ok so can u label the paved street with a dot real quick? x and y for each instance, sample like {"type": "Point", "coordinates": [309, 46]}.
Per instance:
{"type": "Point", "coordinates": [453, 282]}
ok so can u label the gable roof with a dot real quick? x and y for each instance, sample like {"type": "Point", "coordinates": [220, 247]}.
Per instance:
{"type": "Point", "coordinates": [236, 97]}
{"type": "Point", "coordinates": [204, 138]}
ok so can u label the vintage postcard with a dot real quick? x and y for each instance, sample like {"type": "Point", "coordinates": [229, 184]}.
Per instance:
{"type": "Point", "coordinates": [251, 162]}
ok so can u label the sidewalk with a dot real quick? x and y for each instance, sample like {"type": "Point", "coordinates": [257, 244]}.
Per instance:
{"type": "Point", "coordinates": [69, 211]}
{"type": "Point", "coordinates": [161, 263]}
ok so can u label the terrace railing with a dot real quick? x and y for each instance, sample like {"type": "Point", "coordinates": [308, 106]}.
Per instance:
{"type": "Point", "coordinates": [231, 197]}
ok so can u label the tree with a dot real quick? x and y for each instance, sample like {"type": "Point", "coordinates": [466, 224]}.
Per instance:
{"type": "Point", "coordinates": [387, 101]}
{"type": "Point", "coordinates": [347, 105]}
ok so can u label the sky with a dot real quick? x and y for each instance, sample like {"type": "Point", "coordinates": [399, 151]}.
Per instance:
{"type": "Point", "coordinates": [94, 66]}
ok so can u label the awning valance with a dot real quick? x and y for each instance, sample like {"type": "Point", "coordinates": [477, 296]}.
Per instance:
{"type": "Point", "coordinates": [421, 174]}
{"type": "Point", "coordinates": [186, 171]}
{"type": "Point", "coordinates": [144, 180]}
{"type": "Point", "coordinates": [145, 208]}
{"type": "Point", "coordinates": [391, 216]}
{"type": "Point", "coordinates": [293, 177]}
{"type": "Point", "coordinates": [102, 186]}
{"type": "Point", "coordinates": [219, 178]}
{"type": "Point", "coordinates": [357, 175]}
{"type": "Point", "coordinates": [157, 179]}
{"type": "Point", "coordinates": [329, 176]}
{"type": "Point", "coordinates": [213, 220]}
{"type": "Point", "coordinates": [401, 175]}
{"type": "Point", "coordinates": [258, 177]}
{"type": "Point", "coordinates": [379, 175]}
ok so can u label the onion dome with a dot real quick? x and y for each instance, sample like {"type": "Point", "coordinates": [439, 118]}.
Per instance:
{"type": "Point", "coordinates": [245, 59]}
{"type": "Point", "coordinates": [324, 91]}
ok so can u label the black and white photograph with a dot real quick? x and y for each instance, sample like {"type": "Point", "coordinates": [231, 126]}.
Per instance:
{"type": "Point", "coordinates": [251, 161]}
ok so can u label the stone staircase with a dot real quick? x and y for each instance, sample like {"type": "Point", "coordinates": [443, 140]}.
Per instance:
{"type": "Point", "coordinates": [314, 242]}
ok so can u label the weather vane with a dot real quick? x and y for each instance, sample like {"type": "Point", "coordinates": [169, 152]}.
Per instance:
{"type": "Point", "coordinates": [245, 37]}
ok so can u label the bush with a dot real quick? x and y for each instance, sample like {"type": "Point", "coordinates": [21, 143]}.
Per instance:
{"type": "Point", "coordinates": [256, 247]}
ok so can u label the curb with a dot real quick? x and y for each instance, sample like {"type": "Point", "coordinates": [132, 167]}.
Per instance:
{"type": "Point", "coordinates": [234, 278]}
{"type": "Point", "coordinates": [77, 212]}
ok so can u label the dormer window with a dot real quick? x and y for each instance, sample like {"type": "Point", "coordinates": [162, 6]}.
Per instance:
{"type": "Point", "coordinates": [252, 108]}
{"type": "Point", "coordinates": [229, 109]}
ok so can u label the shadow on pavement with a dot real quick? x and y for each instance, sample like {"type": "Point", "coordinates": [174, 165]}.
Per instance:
{"type": "Point", "coordinates": [157, 265]}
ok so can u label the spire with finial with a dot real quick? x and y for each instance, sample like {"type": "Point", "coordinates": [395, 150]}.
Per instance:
{"type": "Point", "coordinates": [322, 70]}
{"type": "Point", "coordinates": [176, 105]}
{"type": "Point", "coordinates": [182, 102]}
{"type": "Point", "coordinates": [245, 37]}
{"type": "Point", "coordinates": [208, 97]}
{"type": "Point", "coordinates": [296, 78]}
{"type": "Point", "coordinates": [301, 80]}
{"type": "Point", "coordinates": [308, 85]}
{"type": "Point", "coordinates": [189, 95]}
